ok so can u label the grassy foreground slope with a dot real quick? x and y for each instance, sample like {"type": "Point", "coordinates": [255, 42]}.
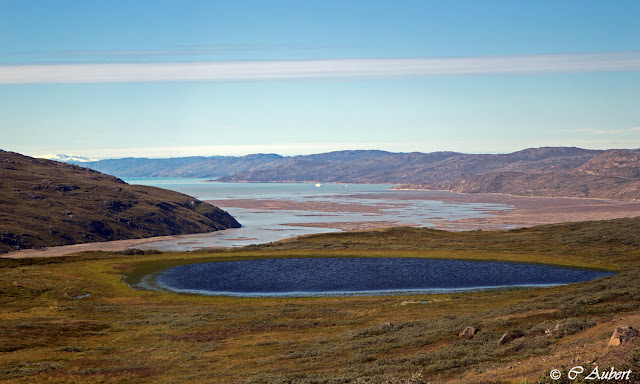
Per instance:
{"type": "Point", "coordinates": [46, 203]}
{"type": "Point", "coordinates": [73, 320]}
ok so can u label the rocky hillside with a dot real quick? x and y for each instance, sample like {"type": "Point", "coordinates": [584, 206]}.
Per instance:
{"type": "Point", "coordinates": [47, 203]}
{"type": "Point", "coordinates": [617, 163]}
{"type": "Point", "coordinates": [414, 168]}
{"type": "Point", "coordinates": [368, 166]}
{"type": "Point", "coordinates": [194, 166]}
{"type": "Point", "coordinates": [613, 174]}
{"type": "Point", "coordinates": [546, 171]}
{"type": "Point", "coordinates": [565, 184]}
{"type": "Point", "coordinates": [220, 166]}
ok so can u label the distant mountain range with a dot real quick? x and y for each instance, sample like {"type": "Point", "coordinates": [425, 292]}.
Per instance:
{"type": "Point", "coordinates": [46, 203]}
{"type": "Point", "coordinates": [546, 171]}
{"type": "Point", "coordinates": [219, 166]}
{"type": "Point", "coordinates": [197, 166]}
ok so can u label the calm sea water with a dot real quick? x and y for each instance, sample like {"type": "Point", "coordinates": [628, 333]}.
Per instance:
{"type": "Point", "coordinates": [263, 226]}
{"type": "Point", "coordinates": [360, 276]}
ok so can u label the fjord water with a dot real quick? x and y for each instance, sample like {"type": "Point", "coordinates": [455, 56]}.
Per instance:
{"type": "Point", "coordinates": [360, 276]}
{"type": "Point", "coordinates": [266, 225]}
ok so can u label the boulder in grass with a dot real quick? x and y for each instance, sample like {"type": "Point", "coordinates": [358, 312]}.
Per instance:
{"type": "Point", "coordinates": [510, 336]}
{"type": "Point", "coordinates": [622, 334]}
{"type": "Point", "coordinates": [468, 332]}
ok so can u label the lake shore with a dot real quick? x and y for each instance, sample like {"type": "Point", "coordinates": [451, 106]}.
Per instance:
{"type": "Point", "coordinates": [63, 250]}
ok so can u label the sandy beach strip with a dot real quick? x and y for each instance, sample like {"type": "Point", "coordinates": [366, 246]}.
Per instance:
{"type": "Point", "coordinates": [63, 250]}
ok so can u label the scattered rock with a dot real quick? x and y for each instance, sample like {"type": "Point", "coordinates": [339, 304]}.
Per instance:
{"type": "Point", "coordinates": [415, 302]}
{"type": "Point", "coordinates": [622, 334]}
{"type": "Point", "coordinates": [552, 331]}
{"type": "Point", "coordinates": [510, 336]}
{"type": "Point", "coordinates": [468, 332]}
{"type": "Point", "coordinates": [78, 296]}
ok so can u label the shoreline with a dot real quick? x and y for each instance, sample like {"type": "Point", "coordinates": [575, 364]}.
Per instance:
{"type": "Point", "coordinates": [526, 212]}
{"type": "Point", "coordinates": [64, 250]}
{"type": "Point", "coordinates": [508, 194]}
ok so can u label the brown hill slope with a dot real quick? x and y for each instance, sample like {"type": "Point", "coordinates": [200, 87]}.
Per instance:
{"type": "Point", "coordinates": [47, 203]}
{"type": "Point", "coordinates": [614, 174]}
{"type": "Point", "coordinates": [617, 162]}
{"type": "Point", "coordinates": [561, 184]}
{"type": "Point", "coordinates": [416, 167]}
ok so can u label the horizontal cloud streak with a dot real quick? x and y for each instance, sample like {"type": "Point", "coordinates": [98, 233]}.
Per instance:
{"type": "Point", "coordinates": [321, 69]}
{"type": "Point", "coordinates": [634, 130]}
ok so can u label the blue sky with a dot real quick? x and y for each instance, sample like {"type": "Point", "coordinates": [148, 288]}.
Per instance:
{"type": "Point", "coordinates": [181, 78]}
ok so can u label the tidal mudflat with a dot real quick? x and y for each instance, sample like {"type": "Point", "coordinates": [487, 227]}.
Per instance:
{"type": "Point", "coordinates": [275, 211]}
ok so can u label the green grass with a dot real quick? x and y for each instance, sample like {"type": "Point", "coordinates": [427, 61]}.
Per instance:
{"type": "Point", "coordinates": [119, 334]}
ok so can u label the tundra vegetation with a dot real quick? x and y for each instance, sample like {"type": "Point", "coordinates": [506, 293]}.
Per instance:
{"type": "Point", "coordinates": [45, 203]}
{"type": "Point", "coordinates": [74, 319]}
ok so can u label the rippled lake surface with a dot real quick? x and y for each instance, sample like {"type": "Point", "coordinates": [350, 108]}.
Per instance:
{"type": "Point", "coordinates": [361, 276]}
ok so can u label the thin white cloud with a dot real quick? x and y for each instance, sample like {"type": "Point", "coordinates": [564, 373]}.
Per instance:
{"type": "Point", "coordinates": [609, 132]}
{"type": "Point", "coordinates": [320, 69]}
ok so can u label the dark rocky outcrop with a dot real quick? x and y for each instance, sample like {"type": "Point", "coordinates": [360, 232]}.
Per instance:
{"type": "Point", "coordinates": [47, 203]}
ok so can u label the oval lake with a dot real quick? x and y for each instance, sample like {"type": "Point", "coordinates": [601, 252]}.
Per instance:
{"type": "Point", "coordinates": [360, 276]}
